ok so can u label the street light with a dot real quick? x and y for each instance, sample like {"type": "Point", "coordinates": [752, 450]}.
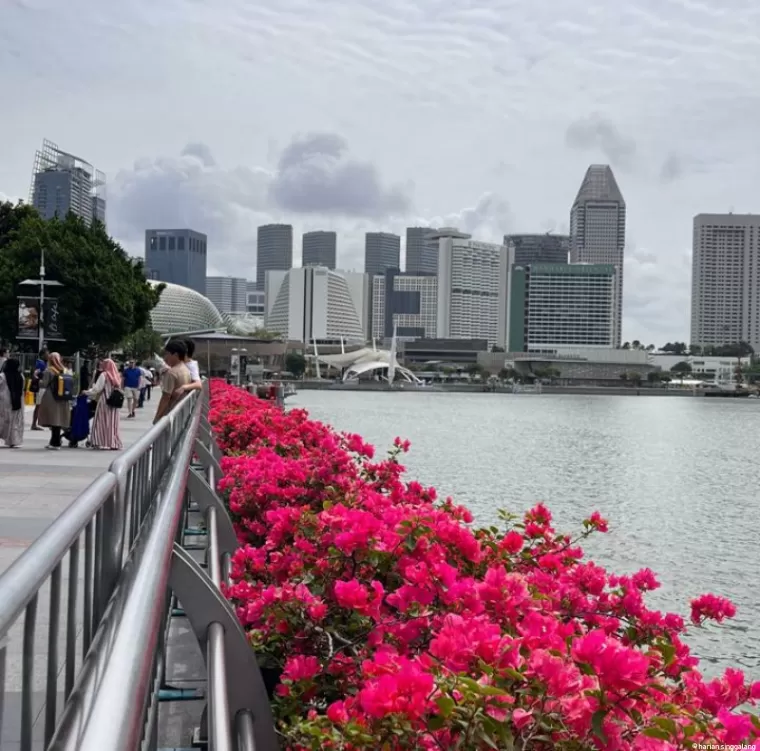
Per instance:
{"type": "Point", "coordinates": [41, 283]}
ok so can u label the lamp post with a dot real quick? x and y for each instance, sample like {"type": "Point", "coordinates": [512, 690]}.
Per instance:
{"type": "Point", "coordinates": [41, 283]}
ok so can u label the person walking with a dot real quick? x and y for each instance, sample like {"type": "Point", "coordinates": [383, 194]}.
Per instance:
{"type": "Point", "coordinates": [173, 378]}
{"type": "Point", "coordinates": [105, 433]}
{"type": "Point", "coordinates": [12, 404]}
{"type": "Point", "coordinates": [132, 376]}
{"type": "Point", "coordinates": [54, 411]}
{"type": "Point", "coordinates": [3, 357]}
{"type": "Point", "coordinates": [35, 386]}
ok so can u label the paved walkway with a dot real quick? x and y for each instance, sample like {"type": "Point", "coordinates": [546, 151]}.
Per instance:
{"type": "Point", "coordinates": [36, 485]}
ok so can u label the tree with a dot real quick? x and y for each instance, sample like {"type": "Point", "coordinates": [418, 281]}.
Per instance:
{"type": "Point", "coordinates": [143, 344]}
{"type": "Point", "coordinates": [650, 347]}
{"type": "Point", "coordinates": [682, 367]}
{"type": "Point", "coordinates": [695, 349]}
{"type": "Point", "coordinates": [635, 344]}
{"type": "Point", "coordinates": [105, 296]}
{"type": "Point", "coordinates": [627, 345]}
{"type": "Point", "coordinates": [266, 335]}
{"type": "Point", "coordinates": [295, 363]}
{"type": "Point", "coordinates": [675, 348]}
{"type": "Point", "coordinates": [634, 378]}
{"type": "Point", "coordinates": [475, 369]}
{"type": "Point", "coordinates": [507, 374]}
{"type": "Point", "coordinates": [653, 376]}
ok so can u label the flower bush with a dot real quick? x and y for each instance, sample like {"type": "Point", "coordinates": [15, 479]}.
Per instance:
{"type": "Point", "coordinates": [394, 624]}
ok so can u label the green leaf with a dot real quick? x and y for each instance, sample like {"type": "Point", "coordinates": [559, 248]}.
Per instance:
{"type": "Point", "coordinates": [663, 735]}
{"type": "Point", "coordinates": [516, 674]}
{"type": "Point", "coordinates": [597, 724]}
{"type": "Point", "coordinates": [666, 724]}
{"type": "Point", "coordinates": [446, 704]}
{"type": "Point", "coordinates": [436, 722]}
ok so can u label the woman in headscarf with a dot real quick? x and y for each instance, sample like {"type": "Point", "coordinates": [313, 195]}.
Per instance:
{"type": "Point", "coordinates": [12, 404]}
{"type": "Point", "coordinates": [55, 413]}
{"type": "Point", "coordinates": [105, 430]}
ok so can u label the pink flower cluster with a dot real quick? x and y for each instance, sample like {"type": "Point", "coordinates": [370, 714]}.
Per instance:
{"type": "Point", "coordinates": [397, 625]}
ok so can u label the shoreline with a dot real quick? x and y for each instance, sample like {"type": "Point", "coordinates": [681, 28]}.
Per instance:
{"type": "Point", "coordinates": [465, 388]}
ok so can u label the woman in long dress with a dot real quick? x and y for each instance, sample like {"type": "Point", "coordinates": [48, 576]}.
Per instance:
{"type": "Point", "coordinates": [105, 429]}
{"type": "Point", "coordinates": [12, 404]}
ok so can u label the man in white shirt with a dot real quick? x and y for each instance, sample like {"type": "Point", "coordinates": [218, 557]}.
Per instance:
{"type": "Point", "coordinates": [146, 381]}
{"type": "Point", "coordinates": [192, 365]}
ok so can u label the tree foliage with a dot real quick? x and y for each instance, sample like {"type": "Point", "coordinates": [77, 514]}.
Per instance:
{"type": "Point", "coordinates": [295, 363]}
{"type": "Point", "coordinates": [143, 344]}
{"type": "Point", "coordinates": [104, 298]}
{"type": "Point", "coordinates": [681, 367]}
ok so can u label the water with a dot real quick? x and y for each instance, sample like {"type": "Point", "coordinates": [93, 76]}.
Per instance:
{"type": "Point", "coordinates": [676, 477]}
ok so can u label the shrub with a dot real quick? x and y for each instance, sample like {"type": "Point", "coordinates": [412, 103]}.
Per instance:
{"type": "Point", "coordinates": [397, 625]}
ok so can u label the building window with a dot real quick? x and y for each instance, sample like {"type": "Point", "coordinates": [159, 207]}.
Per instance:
{"type": "Point", "coordinates": [162, 243]}
{"type": "Point", "coordinates": [180, 243]}
{"type": "Point", "coordinates": [172, 243]}
{"type": "Point", "coordinates": [153, 243]}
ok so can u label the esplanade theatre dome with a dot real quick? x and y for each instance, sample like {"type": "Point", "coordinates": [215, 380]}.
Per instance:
{"type": "Point", "coordinates": [182, 309]}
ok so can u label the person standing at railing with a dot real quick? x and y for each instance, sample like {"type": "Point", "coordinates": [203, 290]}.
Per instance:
{"type": "Point", "coordinates": [174, 379]}
{"type": "Point", "coordinates": [11, 404]}
{"type": "Point", "coordinates": [195, 372]}
{"type": "Point", "coordinates": [105, 434]}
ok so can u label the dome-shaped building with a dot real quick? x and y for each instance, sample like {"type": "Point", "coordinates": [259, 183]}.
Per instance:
{"type": "Point", "coordinates": [181, 309]}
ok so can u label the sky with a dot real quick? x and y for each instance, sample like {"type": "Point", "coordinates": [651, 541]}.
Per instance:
{"type": "Point", "coordinates": [355, 116]}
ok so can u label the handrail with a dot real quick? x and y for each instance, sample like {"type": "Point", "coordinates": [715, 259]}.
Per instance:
{"type": "Point", "coordinates": [117, 717]}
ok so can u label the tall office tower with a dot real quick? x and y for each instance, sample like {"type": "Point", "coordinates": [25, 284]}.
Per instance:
{"type": "Point", "coordinates": [274, 250]}
{"type": "Point", "coordinates": [474, 279]}
{"type": "Point", "coordinates": [562, 305]}
{"type": "Point", "coordinates": [228, 293]}
{"type": "Point", "coordinates": [177, 256]}
{"type": "Point", "coordinates": [597, 227]}
{"type": "Point", "coordinates": [725, 280]}
{"type": "Point", "coordinates": [317, 303]}
{"type": "Point", "coordinates": [421, 251]}
{"type": "Point", "coordinates": [382, 251]}
{"type": "Point", "coordinates": [319, 249]}
{"type": "Point", "coordinates": [546, 248]}
{"type": "Point", "coordinates": [63, 183]}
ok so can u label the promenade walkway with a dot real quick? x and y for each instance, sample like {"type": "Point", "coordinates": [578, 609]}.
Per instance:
{"type": "Point", "coordinates": [36, 485]}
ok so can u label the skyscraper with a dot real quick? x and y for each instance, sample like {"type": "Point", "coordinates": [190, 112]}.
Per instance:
{"type": "Point", "coordinates": [63, 183]}
{"type": "Point", "coordinates": [382, 251]}
{"type": "Point", "coordinates": [421, 251]}
{"type": "Point", "coordinates": [725, 280]}
{"type": "Point", "coordinates": [177, 256]}
{"type": "Point", "coordinates": [228, 293]}
{"type": "Point", "coordinates": [319, 249]}
{"type": "Point", "coordinates": [597, 227]}
{"type": "Point", "coordinates": [274, 250]}
{"type": "Point", "coordinates": [546, 248]}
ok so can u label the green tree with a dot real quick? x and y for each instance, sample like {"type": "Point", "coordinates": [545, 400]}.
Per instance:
{"type": "Point", "coordinates": [143, 344]}
{"type": "Point", "coordinates": [507, 374]}
{"type": "Point", "coordinates": [475, 369]}
{"type": "Point", "coordinates": [104, 298]}
{"type": "Point", "coordinates": [634, 378]}
{"type": "Point", "coordinates": [681, 367]}
{"type": "Point", "coordinates": [675, 348]}
{"type": "Point", "coordinates": [654, 376]}
{"type": "Point", "coordinates": [295, 363]}
{"type": "Point", "coordinates": [695, 349]}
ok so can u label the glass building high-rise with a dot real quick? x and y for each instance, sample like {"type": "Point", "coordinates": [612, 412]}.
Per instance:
{"type": "Point", "coordinates": [63, 183]}
{"type": "Point", "coordinates": [319, 249]}
{"type": "Point", "coordinates": [228, 293]}
{"type": "Point", "coordinates": [274, 250]}
{"type": "Point", "coordinates": [382, 251]}
{"type": "Point", "coordinates": [177, 256]}
{"type": "Point", "coordinates": [421, 251]}
{"type": "Point", "coordinates": [546, 248]}
{"type": "Point", "coordinates": [597, 227]}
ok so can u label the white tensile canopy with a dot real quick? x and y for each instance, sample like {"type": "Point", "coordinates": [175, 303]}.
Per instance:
{"type": "Point", "coordinates": [365, 360]}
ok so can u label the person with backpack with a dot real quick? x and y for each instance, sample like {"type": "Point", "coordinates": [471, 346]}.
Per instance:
{"type": "Point", "coordinates": [12, 404]}
{"type": "Point", "coordinates": [57, 389]}
{"type": "Point", "coordinates": [105, 432]}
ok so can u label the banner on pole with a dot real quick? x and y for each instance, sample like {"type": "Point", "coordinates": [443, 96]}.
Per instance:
{"type": "Point", "coordinates": [52, 321]}
{"type": "Point", "coordinates": [28, 318]}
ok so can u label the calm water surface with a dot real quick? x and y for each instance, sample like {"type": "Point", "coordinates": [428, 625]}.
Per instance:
{"type": "Point", "coordinates": [676, 477]}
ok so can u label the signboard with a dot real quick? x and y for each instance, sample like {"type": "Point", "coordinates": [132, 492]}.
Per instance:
{"type": "Point", "coordinates": [28, 318]}
{"type": "Point", "coordinates": [52, 321]}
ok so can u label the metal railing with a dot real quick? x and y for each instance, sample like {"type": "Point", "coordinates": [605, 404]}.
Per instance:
{"type": "Point", "coordinates": [128, 525]}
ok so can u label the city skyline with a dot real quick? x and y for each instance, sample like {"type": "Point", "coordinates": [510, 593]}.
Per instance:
{"type": "Point", "coordinates": [493, 139]}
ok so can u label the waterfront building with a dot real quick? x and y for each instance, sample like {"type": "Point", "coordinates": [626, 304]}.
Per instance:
{"type": "Point", "coordinates": [545, 248]}
{"type": "Point", "coordinates": [177, 256]}
{"type": "Point", "coordinates": [725, 280]}
{"type": "Point", "coordinates": [473, 288]}
{"type": "Point", "coordinates": [382, 250]}
{"type": "Point", "coordinates": [319, 249]}
{"type": "Point", "coordinates": [421, 251]}
{"type": "Point", "coordinates": [705, 368]}
{"type": "Point", "coordinates": [408, 301]}
{"type": "Point", "coordinates": [228, 293]}
{"type": "Point", "coordinates": [181, 310]}
{"type": "Point", "coordinates": [597, 228]}
{"type": "Point", "coordinates": [317, 303]}
{"type": "Point", "coordinates": [563, 305]}
{"type": "Point", "coordinates": [274, 250]}
{"type": "Point", "coordinates": [63, 183]}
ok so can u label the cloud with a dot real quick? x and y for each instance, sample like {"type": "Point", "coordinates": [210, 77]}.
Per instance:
{"type": "Point", "coordinates": [316, 176]}
{"type": "Point", "coordinates": [597, 133]}
{"type": "Point", "coordinates": [488, 220]}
